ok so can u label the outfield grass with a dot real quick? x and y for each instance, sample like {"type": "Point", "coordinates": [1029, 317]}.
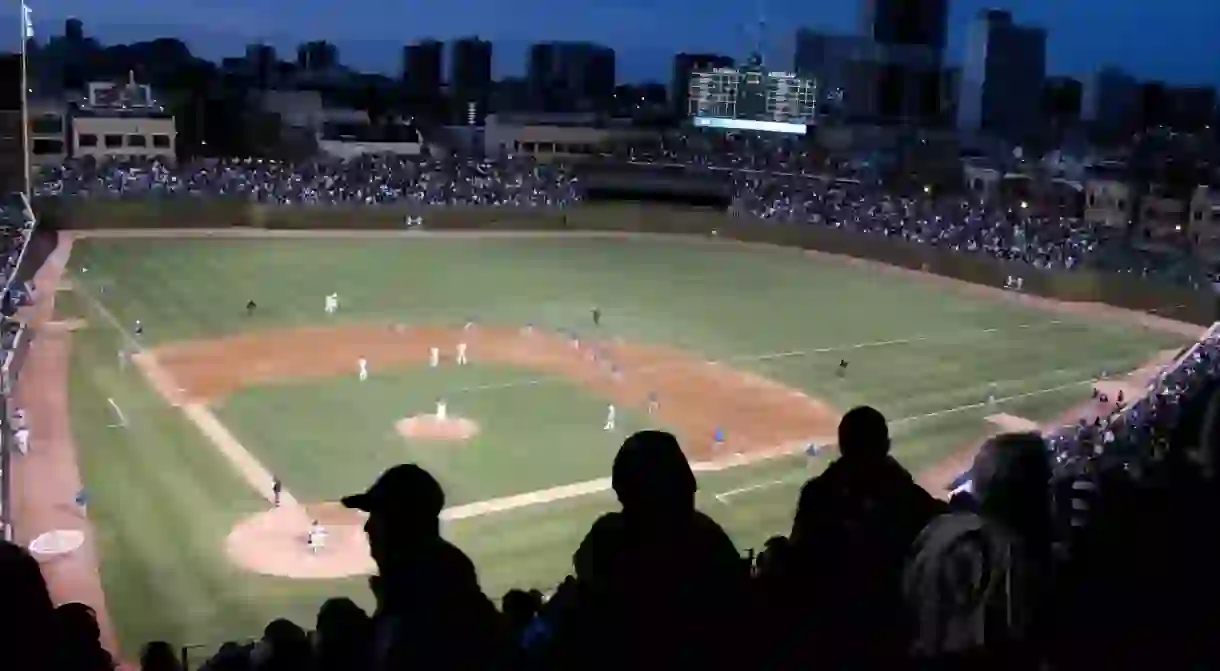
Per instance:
{"type": "Point", "coordinates": [163, 499]}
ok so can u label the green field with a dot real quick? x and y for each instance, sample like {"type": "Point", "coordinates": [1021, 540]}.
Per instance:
{"type": "Point", "coordinates": [163, 498]}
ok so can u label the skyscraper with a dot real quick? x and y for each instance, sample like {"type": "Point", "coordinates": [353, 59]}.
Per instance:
{"type": "Point", "coordinates": [422, 64]}
{"type": "Point", "coordinates": [910, 23]}
{"type": "Point", "coordinates": [684, 65]}
{"type": "Point", "coordinates": [317, 56]}
{"type": "Point", "coordinates": [571, 76]}
{"type": "Point", "coordinates": [1003, 74]}
{"type": "Point", "coordinates": [900, 79]}
{"type": "Point", "coordinates": [470, 79]}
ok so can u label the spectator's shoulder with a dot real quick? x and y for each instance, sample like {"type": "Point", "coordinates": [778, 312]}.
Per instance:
{"type": "Point", "coordinates": [605, 533]}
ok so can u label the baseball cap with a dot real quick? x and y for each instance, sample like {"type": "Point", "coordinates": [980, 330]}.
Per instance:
{"type": "Point", "coordinates": [405, 488]}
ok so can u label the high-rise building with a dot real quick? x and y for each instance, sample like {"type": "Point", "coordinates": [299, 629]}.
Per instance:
{"type": "Point", "coordinates": [899, 79]}
{"type": "Point", "coordinates": [1003, 73]}
{"type": "Point", "coordinates": [423, 63]}
{"type": "Point", "coordinates": [1110, 102]}
{"type": "Point", "coordinates": [317, 56]}
{"type": "Point", "coordinates": [571, 77]}
{"type": "Point", "coordinates": [470, 80]}
{"type": "Point", "coordinates": [684, 65]}
{"type": "Point", "coordinates": [1061, 101]}
{"type": "Point", "coordinates": [260, 63]}
{"type": "Point", "coordinates": [74, 30]}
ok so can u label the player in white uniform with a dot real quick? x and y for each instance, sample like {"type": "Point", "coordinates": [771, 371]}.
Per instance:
{"type": "Point", "coordinates": [461, 354]}
{"type": "Point", "coordinates": [317, 537]}
{"type": "Point", "coordinates": [22, 435]}
{"type": "Point", "coordinates": [611, 411]}
{"type": "Point", "coordinates": [434, 357]}
{"type": "Point", "coordinates": [442, 410]}
{"type": "Point", "coordinates": [363, 363]}
{"type": "Point", "coordinates": [332, 304]}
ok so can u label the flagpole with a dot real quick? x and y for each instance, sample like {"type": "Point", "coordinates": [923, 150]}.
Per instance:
{"type": "Point", "coordinates": [25, 100]}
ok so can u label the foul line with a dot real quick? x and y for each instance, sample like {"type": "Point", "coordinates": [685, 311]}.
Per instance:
{"type": "Point", "coordinates": [245, 463]}
{"type": "Point", "coordinates": [117, 411]}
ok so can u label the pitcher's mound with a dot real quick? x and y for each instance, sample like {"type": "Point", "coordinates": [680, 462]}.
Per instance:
{"type": "Point", "coordinates": [429, 427]}
{"type": "Point", "coordinates": [275, 543]}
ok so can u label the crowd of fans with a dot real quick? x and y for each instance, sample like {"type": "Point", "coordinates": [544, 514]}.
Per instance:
{"type": "Point", "coordinates": [366, 180]}
{"type": "Point", "coordinates": [773, 183]}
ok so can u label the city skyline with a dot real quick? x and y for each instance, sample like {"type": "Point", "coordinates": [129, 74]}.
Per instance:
{"type": "Point", "coordinates": [1177, 35]}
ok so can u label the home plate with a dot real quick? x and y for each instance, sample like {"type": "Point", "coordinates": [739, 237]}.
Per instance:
{"type": "Point", "coordinates": [1008, 422]}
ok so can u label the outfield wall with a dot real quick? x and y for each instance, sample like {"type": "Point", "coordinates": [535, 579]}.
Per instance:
{"type": "Point", "coordinates": [1120, 290]}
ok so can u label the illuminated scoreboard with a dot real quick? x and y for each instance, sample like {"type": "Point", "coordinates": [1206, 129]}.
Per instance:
{"type": "Point", "coordinates": [750, 99]}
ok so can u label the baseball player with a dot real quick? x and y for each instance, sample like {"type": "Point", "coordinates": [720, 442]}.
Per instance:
{"type": "Point", "coordinates": [332, 303]}
{"type": "Point", "coordinates": [363, 363]}
{"type": "Point", "coordinates": [597, 316]}
{"type": "Point", "coordinates": [575, 340]}
{"type": "Point", "coordinates": [461, 354]}
{"type": "Point", "coordinates": [139, 329]}
{"type": "Point", "coordinates": [317, 537]}
{"type": "Point", "coordinates": [842, 367]}
{"type": "Point", "coordinates": [718, 440]}
{"type": "Point", "coordinates": [527, 329]}
{"type": "Point", "coordinates": [991, 394]}
{"type": "Point", "coordinates": [611, 411]}
{"type": "Point", "coordinates": [442, 410]}
{"type": "Point", "coordinates": [276, 488]}
{"type": "Point", "coordinates": [251, 306]}
{"type": "Point", "coordinates": [434, 357]}
{"type": "Point", "coordinates": [653, 402]}
{"type": "Point", "coordinates": [469, 324]}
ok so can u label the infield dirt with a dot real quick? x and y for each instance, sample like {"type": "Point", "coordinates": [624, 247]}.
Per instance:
{"type": "Point", "coordinates": [695, 397]}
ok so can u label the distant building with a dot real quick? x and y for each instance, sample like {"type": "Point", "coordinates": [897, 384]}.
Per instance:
{"type": "Point", "coordinates": [1061, 101]}
{"type": "Point", "coordinates": [922, 23]}
{"type": "Point", "coordinates": [898, 79]}
{"type": "Point", "coordinates": [548, 136]}
{"type": "Point", "coordinates": [261, 63]}
{"type": "Point", "coordinates": [470, 80]}
{"type": "Point", "coordinates": [1003, 75]}
{"type": "Point", "coordinates": [1205, 220]}
{"type": "Point", "coordinates": [1109, 102]}
{"type": "Point", "coordinates": [567, 77]}
{"type": "Point", "coordinates": [122, 120]}
{"type": "Point", "coordinates": [683, 66]}
{"type": "Point", "coordinates": [1109, 199]}
{"type": "Point", "coordinates": [423, 67]}
{"type": "Point", "coordinates": [317, 56]}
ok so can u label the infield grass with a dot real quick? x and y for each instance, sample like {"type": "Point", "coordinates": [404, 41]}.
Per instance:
{"type": "Point", "coordinates": [163, 498]}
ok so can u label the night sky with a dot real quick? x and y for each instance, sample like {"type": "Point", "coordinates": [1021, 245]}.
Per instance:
{"type": "Point", "coordinates": [1174, 40]}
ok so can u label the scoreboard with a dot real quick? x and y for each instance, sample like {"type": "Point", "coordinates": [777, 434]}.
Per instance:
{"type": "Point", "coordinates": [752, 99]}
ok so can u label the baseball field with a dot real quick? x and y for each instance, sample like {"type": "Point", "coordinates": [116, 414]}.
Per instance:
{"type": "Point", "coordinates": [176, 435]}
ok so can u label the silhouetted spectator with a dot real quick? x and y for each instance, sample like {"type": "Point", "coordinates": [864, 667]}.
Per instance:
{"type": "Point", "coordinates": [159, 656]}
{"type": "Point", "coordinates": [284, 647]}
{"type": "Point", "coordinates": [853, 527]}
{"type": "Point", "coordinates": [660, 584]}
{"type": "Point", "coordinates": [343, 637]}
{"type": "Point", "coordinates": [26, 610]}
{"type": "Point", "coordinates": [231, 656]}
{"type": "Point", "coordinates": [976, 583]}
{"type": "Point", "coordinates": [430, 609]}
{"type": "Point", "coordinates": [78, 643]}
